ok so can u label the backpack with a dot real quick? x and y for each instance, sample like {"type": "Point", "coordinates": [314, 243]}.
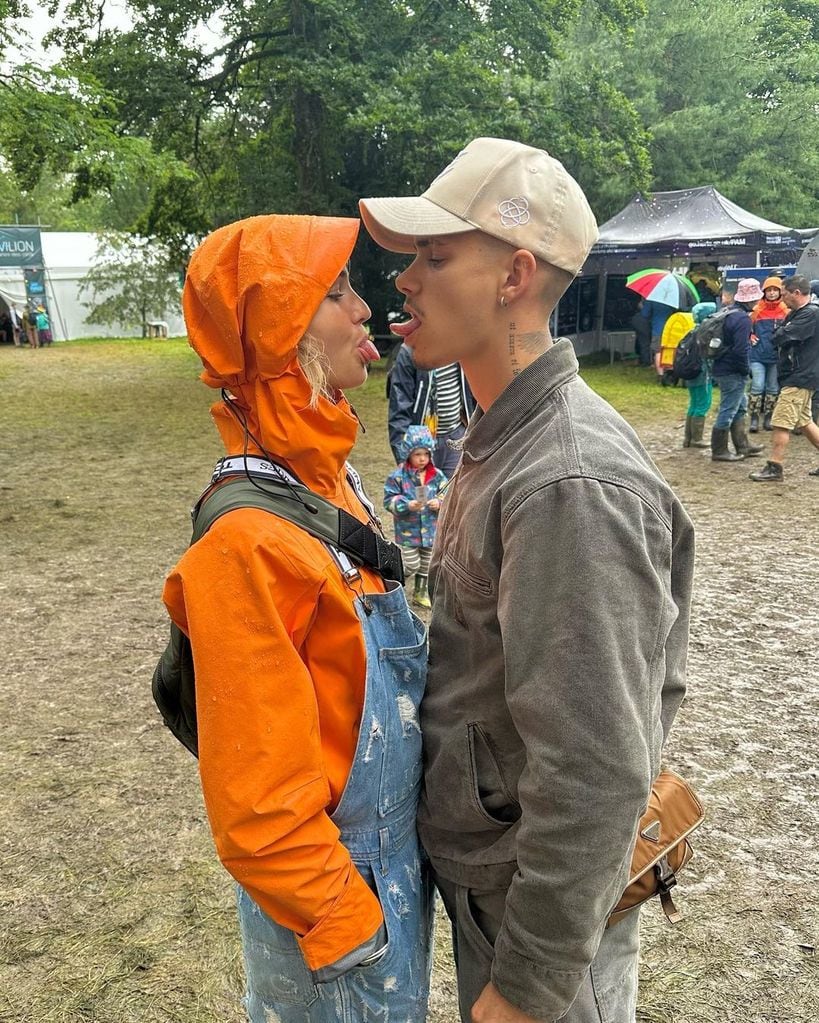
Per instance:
{"type": "Point", "coordinates": [688, 359]}
{"type": "Point", "coordinates": [350, 541]}
{"type": "Point", "coordinates": [710, 333]}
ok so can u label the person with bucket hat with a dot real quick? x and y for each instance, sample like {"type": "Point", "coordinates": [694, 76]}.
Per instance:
{"type": "Point", "coordinates": [766, 316]}
{"type": "Point", "coordinates": [561, 584]}
{"type": "Point", "coordinates": [309, 669]}
{"type": "Point", "coordinates": [730, 369]}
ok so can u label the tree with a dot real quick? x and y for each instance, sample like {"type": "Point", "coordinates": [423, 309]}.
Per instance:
{"type": "Point", "coordinates": [131, 283]}
{"type": "Point", "coordinates": [729, 95]}
{"type": "Point", "coordinates": [309, 104]}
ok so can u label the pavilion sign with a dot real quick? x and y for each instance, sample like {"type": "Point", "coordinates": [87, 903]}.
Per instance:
{"type": "Point", "coordinates": [20, 246]}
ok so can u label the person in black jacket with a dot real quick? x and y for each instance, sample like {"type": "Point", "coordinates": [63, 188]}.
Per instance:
{"type": "Point", "coordinates": [731, 369]}
{"type": "Point", "coordinates": [797, 342]}
{"type": "Point", "coordinates": [440, 399]}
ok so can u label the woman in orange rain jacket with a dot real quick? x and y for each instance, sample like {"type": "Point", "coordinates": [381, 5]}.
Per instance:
{"type": "Point", "coordinates": [307, 681]}
{"type": "Point", "coordinates": [767, 315]}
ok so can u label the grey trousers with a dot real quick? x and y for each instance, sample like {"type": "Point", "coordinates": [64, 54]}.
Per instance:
{"type": "Point", "coordinates": [608, 993]}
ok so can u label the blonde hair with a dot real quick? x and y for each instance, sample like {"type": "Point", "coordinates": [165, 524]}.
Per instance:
{"type": "Point", "coordinates": [313, 362]}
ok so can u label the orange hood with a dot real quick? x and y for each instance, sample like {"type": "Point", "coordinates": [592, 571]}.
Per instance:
{"type": "Point", "coordinates": [251, 291]}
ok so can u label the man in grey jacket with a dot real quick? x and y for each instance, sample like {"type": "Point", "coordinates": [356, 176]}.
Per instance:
{"type": "Point", "coordinates": [562, 579]}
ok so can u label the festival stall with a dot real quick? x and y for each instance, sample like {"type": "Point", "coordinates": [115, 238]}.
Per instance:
{"type": "Point", "coordinates": [693, 231]}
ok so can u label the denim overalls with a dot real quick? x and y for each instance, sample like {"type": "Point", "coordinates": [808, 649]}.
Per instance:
{"type": "Point", "coordinates": [376, 818]}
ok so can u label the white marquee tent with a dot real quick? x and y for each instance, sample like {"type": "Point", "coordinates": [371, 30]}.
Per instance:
{"type": "Point", "coordinates": [68, 256]}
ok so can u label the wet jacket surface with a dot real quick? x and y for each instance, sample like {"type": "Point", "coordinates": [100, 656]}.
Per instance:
{"type": "Point", "coordinates": [562, 580]}
{"type": "Point", "coordinates": [278, 650]}
{"type": "Point", "coordinates": [736, 345]}
{"type": "Point", "coordinates": [766, 317]}
{"type": "Point", "coordinates": [797, 342]}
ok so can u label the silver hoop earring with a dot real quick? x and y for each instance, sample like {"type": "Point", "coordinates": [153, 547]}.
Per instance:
{"type": "Point", "coordinates": [503, 301]}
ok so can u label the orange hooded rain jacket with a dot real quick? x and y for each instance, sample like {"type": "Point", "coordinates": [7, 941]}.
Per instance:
{"type": "Point", "coordinates": [278, 650]}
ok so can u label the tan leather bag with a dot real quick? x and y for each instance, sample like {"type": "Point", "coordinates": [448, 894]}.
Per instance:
{"type": "Point", "coordinates": [662, 848]}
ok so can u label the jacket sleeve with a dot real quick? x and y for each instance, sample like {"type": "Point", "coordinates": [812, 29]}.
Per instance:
{"type": "Point", "coordinates": [796, 330]}
{"type": "Point", "coordinates": [403, 387]}
{"type": "Point", "coordinates": [261, 765]}
{"type": "Point", "coordinates": [737, 333]}
{"type": "Point", "coordinates": [395, 501]}
{"type": "Point", "coordinates": [591, 660]}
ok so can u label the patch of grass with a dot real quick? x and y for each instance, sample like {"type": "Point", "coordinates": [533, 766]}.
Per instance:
{"type": "Point", "coordinates": [633, 390]}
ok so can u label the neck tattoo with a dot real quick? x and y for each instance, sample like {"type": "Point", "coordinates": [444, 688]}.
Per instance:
{"type": "Point", "coordinates": [513, 358]}
{"type": "Point", "coordinates": [530, 344]}
{"type": "Point", "coordinates": [534, 342]}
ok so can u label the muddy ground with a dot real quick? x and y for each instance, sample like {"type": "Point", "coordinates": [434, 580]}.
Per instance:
{"type": "Point", "coordinates": [112, 906]}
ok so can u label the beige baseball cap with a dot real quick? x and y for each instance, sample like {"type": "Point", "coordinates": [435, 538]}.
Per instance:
{"type": "Point", "coordinates": [506, 189]}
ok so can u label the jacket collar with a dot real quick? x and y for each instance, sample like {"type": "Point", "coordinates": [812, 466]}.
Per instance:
{"type": "Point", "coordinates": [489, 430]}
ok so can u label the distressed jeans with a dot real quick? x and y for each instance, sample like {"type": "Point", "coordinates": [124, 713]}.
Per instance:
{"type": "Point", "coordinates": [376, 819]}
{"type": "Point", "coordinates": [608, 993]}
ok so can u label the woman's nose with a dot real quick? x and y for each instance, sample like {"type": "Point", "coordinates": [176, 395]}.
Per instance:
{"type": "Point", "coordinates": [363, 312]}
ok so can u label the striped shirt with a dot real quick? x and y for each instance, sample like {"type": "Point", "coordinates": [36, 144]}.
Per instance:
{"type": "Point", "coordinates": [448, 401]}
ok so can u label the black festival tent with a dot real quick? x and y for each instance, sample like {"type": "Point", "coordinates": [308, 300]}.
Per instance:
{"type": "Point", "coordinates": [691, 228]}
{"type": "Point", "coordinates": [694, 222]}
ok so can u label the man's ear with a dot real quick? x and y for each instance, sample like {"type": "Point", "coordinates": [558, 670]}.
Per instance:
{"type": "Point", "coordinates": [520, 275]}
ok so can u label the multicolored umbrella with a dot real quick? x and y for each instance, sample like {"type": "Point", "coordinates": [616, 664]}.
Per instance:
{"type": "Point", "coordinates": [665, 287]}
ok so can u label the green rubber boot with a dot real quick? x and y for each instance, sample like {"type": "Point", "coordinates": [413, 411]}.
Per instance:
{"type": "Point", "coordinates": [420, 595]}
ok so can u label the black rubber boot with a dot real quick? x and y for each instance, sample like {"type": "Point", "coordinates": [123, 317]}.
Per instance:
{"type": "Point", "coordinates": [770, 401]}
{"type": "Point", "coordinates": [772, 473]}
{"type": "Point", "coordinates": [740, 438]}
{"type": "Point", "coordinates": [754, 407]}
{"type": "Point", "coordinates": [687, 437]}
{"type": "Point", "coordinates": [719, 447]}
{"type": "Point", "coordinates": [697, 428]}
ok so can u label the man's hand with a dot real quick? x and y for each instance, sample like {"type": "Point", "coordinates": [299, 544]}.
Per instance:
{"type": "Point", "coordinates": [492, 1007]}
{"type": "Point", "coordinates": [414, 506]}
{"type": "Point", "coordinates": [434, 504]}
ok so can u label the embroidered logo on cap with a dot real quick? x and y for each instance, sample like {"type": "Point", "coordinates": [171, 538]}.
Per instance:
{"type": "Point", "coordinates": [514, 212]}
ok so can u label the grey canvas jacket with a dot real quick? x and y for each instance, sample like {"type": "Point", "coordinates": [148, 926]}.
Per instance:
{"type": "Point", "coordinates": [562, 579]}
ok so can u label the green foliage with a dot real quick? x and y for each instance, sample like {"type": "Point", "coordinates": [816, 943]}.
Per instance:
{"type": "Point", "coordinates": [729, 93]}
{"type": "Point", "coordinates": [132, 281]}
{"type": "Point", "coordinates": [203, 112]}
{"type": "Point", "coordinates": [308, 104]}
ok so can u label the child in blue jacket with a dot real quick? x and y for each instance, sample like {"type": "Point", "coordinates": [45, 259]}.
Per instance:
{"type": "Point", "coordinates": [411, 495]}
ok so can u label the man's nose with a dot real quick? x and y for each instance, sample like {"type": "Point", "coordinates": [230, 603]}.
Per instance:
{"type": "Point", "coordinates": [404, 281]}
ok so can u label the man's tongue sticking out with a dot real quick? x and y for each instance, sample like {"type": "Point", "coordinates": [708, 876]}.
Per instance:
{"type": "Point", "coordinates": [406, 328]}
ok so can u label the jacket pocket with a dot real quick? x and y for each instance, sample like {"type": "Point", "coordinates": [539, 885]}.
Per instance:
{"type": "Point", "coordinates": [466, 575]}
{"type": "Point", "coordinates": [489, 792]}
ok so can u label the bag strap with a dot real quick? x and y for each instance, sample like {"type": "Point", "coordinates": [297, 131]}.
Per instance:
{"type": "Point", "coordinates": [334, 526]}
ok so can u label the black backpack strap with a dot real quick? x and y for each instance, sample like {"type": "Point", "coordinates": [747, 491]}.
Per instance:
{"type": "Point", "coordinates": [349, 541]}
{"type": "Point", "coordinates": [317, 516]}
